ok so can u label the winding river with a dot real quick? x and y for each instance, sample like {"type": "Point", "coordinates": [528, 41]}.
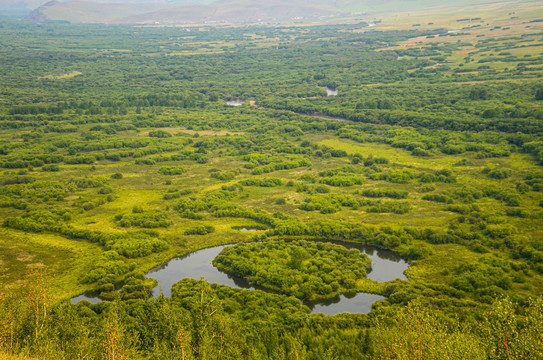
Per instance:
{"type": "Point", "coordinates": [386, 266]}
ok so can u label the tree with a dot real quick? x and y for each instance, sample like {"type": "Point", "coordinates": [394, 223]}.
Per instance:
{"type": "Point", "coordinates": [297, 257]}
{"type": "Point", "coordinates": [539, 94]}
{"type": "Point", "coordinates": [416, 332]}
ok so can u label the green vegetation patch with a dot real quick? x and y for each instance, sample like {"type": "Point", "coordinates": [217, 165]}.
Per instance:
{"type": "Point", "coordinates": [307, 270]}
{"type": "Point", "coordinates": [144, 219]}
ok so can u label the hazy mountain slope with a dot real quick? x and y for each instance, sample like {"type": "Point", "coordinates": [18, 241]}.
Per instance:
{"type": "Point", "coordinates": [238, 12]}
{"type": "Point", "coordinates": [91, 12]}
{"type": "Point", "coordinates": [14, 9]}
{"type": "Point", "coordinates": [225, 11]}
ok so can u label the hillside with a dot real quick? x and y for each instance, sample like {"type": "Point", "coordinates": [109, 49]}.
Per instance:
{"type": "Point", "coordinates": [228, 11]}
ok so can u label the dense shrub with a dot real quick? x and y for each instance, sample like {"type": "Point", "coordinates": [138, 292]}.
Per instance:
{"type": "Point", "coordinates": [304, 269]}
{"type": "Point", "coordinates": [171, 170]}
{"type": "Point", "coordinates": [200, 230]}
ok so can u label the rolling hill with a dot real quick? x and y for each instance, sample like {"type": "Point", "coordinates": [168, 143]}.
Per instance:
{"type": "Point", "coordinates": [226, 11]}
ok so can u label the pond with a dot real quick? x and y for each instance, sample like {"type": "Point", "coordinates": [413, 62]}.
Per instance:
{"type": "Point", "coordinates": [330, 92]}
{"type": "Point", "coordinates": [386, 266]}
{"type": "Point", "coordinates": [248, 228]}
{"type": "Point", "coordinates": [233, 103]}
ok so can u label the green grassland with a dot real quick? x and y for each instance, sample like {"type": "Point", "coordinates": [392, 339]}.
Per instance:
{"type": "Point", "coordinates": [118, 153]}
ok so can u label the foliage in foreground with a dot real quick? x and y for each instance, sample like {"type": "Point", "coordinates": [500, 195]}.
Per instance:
{"type": "Point", "coordinates": [203, 321]}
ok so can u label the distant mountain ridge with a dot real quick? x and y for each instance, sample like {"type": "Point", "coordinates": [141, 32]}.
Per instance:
{"type": "Point", "coordinates": [185, 12]}
{"type": "Point", "coordinates": [170, 12]}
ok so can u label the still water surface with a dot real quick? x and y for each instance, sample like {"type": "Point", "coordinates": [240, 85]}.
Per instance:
{"type": "Point", "coordinates": [330, 92]}
{"type": "Point", "coordinates": [386, 266]}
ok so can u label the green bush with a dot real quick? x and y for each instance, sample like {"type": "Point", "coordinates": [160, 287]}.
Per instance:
{"type": "Point", "coordinates": [200, 230]}
{"type": "Point", "coordinates": [303, 269]}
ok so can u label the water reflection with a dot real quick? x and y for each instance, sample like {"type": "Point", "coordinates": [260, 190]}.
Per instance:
{"type": "Point", "coordinates": [359, 303]}
{"type": "Point", "coordinates": [330, 92]}
{"type": "Point", "coordinates": [243, 228]}
{"type": "Point", "coordinates": [194, 265]}
{"type": "Point", "coordinates": [386, 266]}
